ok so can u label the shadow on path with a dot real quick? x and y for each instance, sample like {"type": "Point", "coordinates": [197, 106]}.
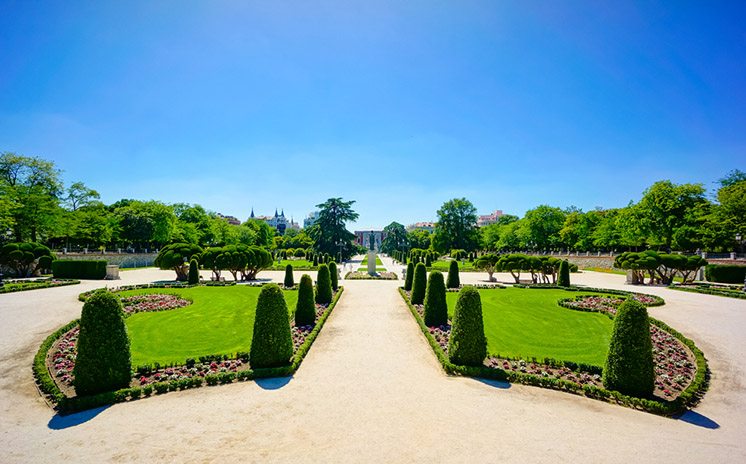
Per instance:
{"type": "Point", "coordinates": [273, 383]}
{"type": "Point", "coordinates": [60, 422]}
{"type": "Point", "coordinates": [501, 384]}
{"type": "Point", "coordinates": [695, 418]}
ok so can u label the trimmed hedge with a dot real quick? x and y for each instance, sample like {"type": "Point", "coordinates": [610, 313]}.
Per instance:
{"type": "Point", "coordinates": [453, 278]}
{"type": "Point", "coordinates": [323, 285]}
{"type": "Point", "coordinates": [289, 280]}
{"type": "Point", "coordinates": [468, 344]}
{"type": "Point", "coordinates": [73, 269]}
{"type": "Point", "coordinates": [419, 284]}
{"type": "Point", "coordinates": [436, 308]}
{"type": "Point", "coordinates": [193, 272]}
{"type": "Point", "coordinates": [711, 291]}
{"type": "Point", "coordinates": [563, 280]}
{"type": "Point", "coordinates": [272, 343]}
{"type": "Point", "coordinates": [629, 364]}
{"type": "Point", "coordinates": [725, 273]}
{"type": "Point", "coordinates": [334, 275]}
{"type": "Point", "coordinates": [305, 308]}
{"type": "Point", "coordinates": [25, 285]}
{"type": "Point", "coordinates": [103, 360]}
{"type": "Point", "coordinates": [410, 276]}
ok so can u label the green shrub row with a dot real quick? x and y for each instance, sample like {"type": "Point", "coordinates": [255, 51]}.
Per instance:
{"type": "Point", "coordinates": [688, 397]}
{"type": "Point", "coordinates": [711, 291]}
{"type": "Point", "coordinates": [83, 296]}
{"type": "Point", "coordinates": [65, 405]}
{"type": "Point", "coordinates": [10, 287]}
{"type": "Point", "coordinates": [725, 273]}
{"type": "Point", "coordinates": [73, 269]}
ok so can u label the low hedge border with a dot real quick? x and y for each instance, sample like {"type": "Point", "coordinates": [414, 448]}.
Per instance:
{"type": "Point", "coordinates": [38, 284]}
{"type": "Point", "coordinates": [658, 300]}
{"type": "Point", "coordinates": [352, 276]}
{"type": "Point", "coordinates": [710, 291]}
{"type": "Point", "coordinates": [83, 296]}
{"type": "Point", "coordinates": [64, 405]}
{"type": "Point", "coordinates": [688, 397]}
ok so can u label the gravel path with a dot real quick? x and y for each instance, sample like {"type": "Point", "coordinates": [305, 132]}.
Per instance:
{"type": "Point", "coordinates": [371, 390]}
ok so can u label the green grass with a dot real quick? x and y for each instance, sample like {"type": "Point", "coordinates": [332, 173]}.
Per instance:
{"type": "Point", "coordinates": [443, 265]}
{"type": "Point", "coordinates": [296, 263]}
{"type": "Point", "coordinates": [365, 269]}
{"type": "Point", "coordinates": [219, 321]}
{"type": "Point", "coordinates": [529, 323]}
{"type": "Point", "coordinates": [365, 261]}
{"type": "Point", "coordinates": [605, 270]}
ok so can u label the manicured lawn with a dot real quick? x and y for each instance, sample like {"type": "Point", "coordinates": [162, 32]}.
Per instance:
{"type": "Point", "coordinates": [296, 263]}
{"type": "Point", "coordinates": [219, 321]}
{"type": "Point", "coordinates": [442, 266]}
{"type": "Point", "coordinates": [528, 323]}
{"type": "Point", "coordinates": [365, 269]}
{"type": "Point", "coordinates": [365, 261]}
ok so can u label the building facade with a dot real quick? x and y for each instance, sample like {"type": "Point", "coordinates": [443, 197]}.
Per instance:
{"type": "Point", "coordinates": [487, 219]}
{"type": "Point", "coordinates": [310, 219]}
{"type": "Point", "coordinates": [278, 222]}
{"type": "Point", "coordinates": [428, 226]}
{"type": "Point", "coordinates": [362, 237]}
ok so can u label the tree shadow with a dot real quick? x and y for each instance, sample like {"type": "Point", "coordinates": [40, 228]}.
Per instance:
{"type": "Point", "coordinates": [61, 422]}
{"type": "Point", "coordinates": [273, 383]}
{"type": "Point", "coordinates": [500, 384]}
{"type": "Point", "coordinates": [695, 418]}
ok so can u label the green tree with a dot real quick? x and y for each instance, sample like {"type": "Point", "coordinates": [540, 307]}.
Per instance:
{"type": "Point", "coordinates": [453, 278]}
{"type": "Point", "coordinates": [78, 195]}
{"type": "Point", "coordinates": [564, 274]}
{"type": "Point", "coordinates": [665, 207]}
{"type": "Point", "coordinates": [272, 342]}
{"type": "Point", "coordinates": [193, 272]}
{"type": "Point", "coordinates": [396, 238]}
{"type": "Point", "coordinates": [419, 238]}
{"type": "Point", "coordinates": [540, 228]}
{"type": "Point", "coordinates": [436, 309]}
{"type": "Point", "coordinates": [334, 275]}
{"type": "Point", "coordinates": [629, 365]}
{"type": "Point", "coordinates": [409, 277]}
{"type": "Point", "coordinates": [457, 226]}
{"type": "Point", "coordinates": [489, 263]}
{"type": "Point", "coordinates": [468, 344]}
{"type": "Point", "coordinates": [419, 284]}
{"type": "Point", "coordinates": [289, 281]}
{"type": "Point", "coordinates": [323, 285]}
{"type": "Point", "coordinates": [329, 232]}
{"type": "Point", "coordinates": [175, 256]}
{"type": "Point", "coordinates": [305, 309]}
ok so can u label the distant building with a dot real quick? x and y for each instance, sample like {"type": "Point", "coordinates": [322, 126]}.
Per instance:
{"type": "Point", "coordinates": [362, 237]}
{"type": "Point", "coordinates": [310, 219]}
{"type": "Point", "coordinates": [428, 226]}
{"type": "Point", "coordinates": [488, 219]}
{"type": "Point", "coordinates": [230, 219]}
{"type": "Point", "coordinates": [278, 222]}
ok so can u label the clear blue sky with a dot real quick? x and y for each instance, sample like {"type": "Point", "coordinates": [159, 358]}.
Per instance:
{"type": "Point", "coordinates": [398, 105]}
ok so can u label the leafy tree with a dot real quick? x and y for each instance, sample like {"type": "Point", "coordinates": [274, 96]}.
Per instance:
{"type": "Point", "coordinates": [453, 278]}
{"type": "Point", "coordinates": [25, 259]}
{"type": "Point", "coordinates": [436, 309]}
{"type": "Point", "coordinates": [323, 285]}
{"type": "Point", "coordinates": [629, 365]}
{"type": "Point", "coordinates": [175, 256]}
{"type": "Point", "coordinates": [289, 281]}
{"type": "Point", "coordinates": [468, 344]}
{"type": "Point", "coordinates": [489, 263]}
{"type": "Point", "coordinates": [334, 275]}
{"type": "Point", "coordinates": [419, 238]}
{"type": "Point", "coordinates": [457, 226]}
{"type": "Point", "coordinates": [409, 277]}
{"type": "Point", "coordinates": [78, 195]}
{"type": "Point", "coordinates": [731, 212]}
{"type": "Point", "coordinates": [396, 238]}
{"type": "Point", "coordinates": [665, 207]}
{"type": "Point", "coordinates": [638, 263]}
{"type": "Point", "coordinates": [193, 272]}
{"type": "Point", "coordinates": [264, 232]}
{"type": "Point", "coordinates": [513, 263]}
{"type": "Point", "coordinates": [329, 232]}
{"type": "Point", "coordinates": [540, 228]}
{"type": "Point", "coordinates": [733, 177]}
{"type": "Point", "coordinates": [419, 284]}
{"type": "Point", "coordinates": [564, 274]}
{"type": "Point", "coordinates": [305, 309]}
{"type": "Point", "coordinates": [272, 342]}
{"type": "Point", "coordinates": [103, 362]}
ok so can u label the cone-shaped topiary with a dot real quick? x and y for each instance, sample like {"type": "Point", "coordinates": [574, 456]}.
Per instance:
{"type": "Point", "coordinates": [289, 281]}
{"type": "Point", "coordinates": [629, 365]}
{"type": "Point", "coordinates": [563, 279]}
{"type": "Point", "coordinates": [436, 309]}
{"type": "Point", "coordinates": [468, 345]}
{"type": "Point", "coordinates": [103, 361]}
{"type": "Point", "coordinates": [410, 276]}
{"type": "Point", "coordinates": [305, 309]}
{"type": "Point", "coordinates": [333, 274]}
{"type": "Point", "coordinates": [419, 284]}
{"type": "Point", "coordinates": [193, 272]}
{"type": "Point", "coordinates": [272, 343]}
{"type": "Point", "coordinates": [428, 261]}
{"type": "Point", "coordinates": [315, 260]}
{"type": "Point", "coordinates": [323, 285]}
{"type": "Point", "coordinates": [453, 278]}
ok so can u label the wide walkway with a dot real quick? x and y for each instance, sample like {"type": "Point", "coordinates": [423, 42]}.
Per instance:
{"type": "Point", "coordinates": [370, 390]}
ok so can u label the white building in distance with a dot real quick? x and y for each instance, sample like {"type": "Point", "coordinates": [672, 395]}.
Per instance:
{"type": "Point", "coordinates": [487, 219]}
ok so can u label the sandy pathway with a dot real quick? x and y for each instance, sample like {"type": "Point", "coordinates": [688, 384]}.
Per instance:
{"type": "Point", "coordinates": [369, 390]}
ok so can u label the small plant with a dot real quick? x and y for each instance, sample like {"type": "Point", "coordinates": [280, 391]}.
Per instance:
{"type": "Point", "coordinates": [409, 277]}
{"type": "Point", "coordinates": [436, 309]}
{"type": "Point", "coordinates": [193, 272]}
{"type": "Point", "coordinates": [629, 366]}
{"type": "Point", "coordinates": [564, 274]}
{"type": "Point", "coordinates": [468, 344]}
{"type": "Point", "coordinates": [419, 284]}
{"type": "Point", "coordinates": [289, 282]}
{"type": "Point", "coordinates": [453, 278]}
{"type": "Point", "coordinates": [272, 343]}
{"type": "Point", "coordinates": [305, 309]}
{"type": "Point", "coordinates": [323, 285]}
{"type": "Point", "coordinates": [334, 276]}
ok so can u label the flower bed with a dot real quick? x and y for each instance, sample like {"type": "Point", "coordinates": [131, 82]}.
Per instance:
{"type": "Point", "coordinates": [10, 286]}
{"type": "Point", "coordinates": [357, 275]}
{"type": "Point", "coordinates": [55, 361]}
{"type": "Point", "coordinates": [680, 368]}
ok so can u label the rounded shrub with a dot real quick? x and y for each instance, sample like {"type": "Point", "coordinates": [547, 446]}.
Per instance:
{"type": "Point", "coordinates": [305, 309]}
{"type": "Point", "coordinates": [289, 282]}
{"type": "Point", "coordinates": [468, 344]}
{"type": "Point", "coordinates": [193, 272]}
{"type": "Point", "coordinates": [419, 284]}
{"type": "Point", "coordinates": [323, 285]}
{"type": "Point", "coordinates": [333, 274]}
{"type": "Point", "coordinates": [410, 276]}
{"type": "Point", "coordinates": [629, 365]}
{"type": "Point", "coordinates": [436, 309]}
{"type": "Point", "coordinates": [453, 278]}
{"type": "Point", "coordinates": [272, 343]}
{"type": "Point", "coordinates": [103, 361]}
{"type": "Point", "coordinates": [563, 280]}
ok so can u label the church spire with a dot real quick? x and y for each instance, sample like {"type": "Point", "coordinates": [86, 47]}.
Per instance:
{"type": "Point", "coordinates": [252, 213]}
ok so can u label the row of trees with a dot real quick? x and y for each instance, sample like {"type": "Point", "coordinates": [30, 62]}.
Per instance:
{"type": "Point", "coordinates": [668, 217]}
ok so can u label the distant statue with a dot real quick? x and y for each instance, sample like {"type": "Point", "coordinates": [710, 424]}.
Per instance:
{"type": "Point", "coordinates": [371, 242]}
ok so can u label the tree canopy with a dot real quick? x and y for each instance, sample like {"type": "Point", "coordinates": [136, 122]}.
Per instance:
{"type": "Point", "coordinates": [457, 226]}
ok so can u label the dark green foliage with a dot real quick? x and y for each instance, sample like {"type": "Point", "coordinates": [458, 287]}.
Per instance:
{"type": "Point", "coordinates": [564, 274]}
{"type": "Point", "coordinates": [73, 269]}
{"type": "Point", "coordinates": [453, 278]}
{"type": "Point", "coordinates": [468, 345]}
{"type": "Point", "coordinates": [315, 260]}
{"type": "Point", "coordinates": [428, 261]}
{"type": "Point", "coordinates": [727, 274]}
{"type": "Point", "coordinates": [289, 281]}
{"type": "Point", "coordinates": [175, 255]}
{"type": "Point", "coordinates": [410, 276]}
{"type": "Point", "coordinates": [436, 309]}
{"type": "Point", "coordinates": [25, 259]}
{"type": "Point", "coordinates": [272, 343]}
{"type": "Point", "coordinates": [334, 276]}
{"type": "Point", "coordinates": [305, 309]}
{"type": "Point", "coordinates": [323, 285]}
{"type": "Point", "coordinates": [629, 365]}
{"type": "Point", "coordinates": [103, 359]}
{"type": "Point", "coordinates": [193, 272]}
{"type": "Point", "coordinates": [419, 284]}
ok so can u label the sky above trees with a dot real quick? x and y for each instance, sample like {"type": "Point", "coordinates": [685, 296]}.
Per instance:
{"type": "Point", "coordinates": [400, 105]}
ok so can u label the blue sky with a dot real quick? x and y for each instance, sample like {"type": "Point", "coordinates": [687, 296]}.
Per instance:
{"type": "Point", "coordinates": [398, 105]}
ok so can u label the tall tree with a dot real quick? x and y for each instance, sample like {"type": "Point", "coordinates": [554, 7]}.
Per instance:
{"type": "Point", "coordinates": [665, 207]}
{"type": "Point", "coordinates": [396, 238]}
{"type": "Point", "coordinates": [330, 232]}
{"type": "Point", "coordinates": [78, 195]}
{"type": "Point", "coordinates": [457, 226]}
{"type": "Point", "coordinates": [419, 238]}
{"type": "Point", "coordinates": [540, 229]}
